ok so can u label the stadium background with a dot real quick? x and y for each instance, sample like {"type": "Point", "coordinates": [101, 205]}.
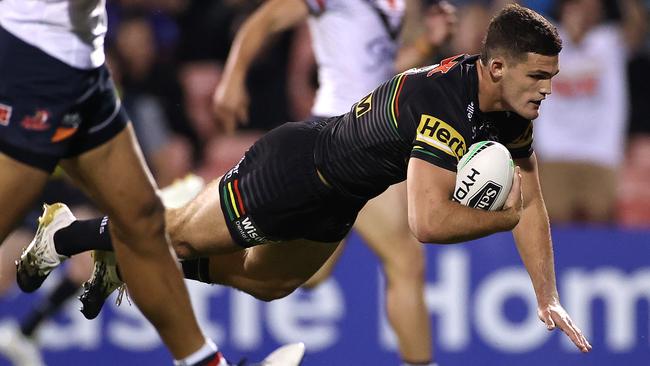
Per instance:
{"type": "Point", "coordinates": [478, 294]}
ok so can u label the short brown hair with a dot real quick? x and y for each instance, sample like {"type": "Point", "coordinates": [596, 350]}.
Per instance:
{"type": "Point", "coordinates": [517, 30]}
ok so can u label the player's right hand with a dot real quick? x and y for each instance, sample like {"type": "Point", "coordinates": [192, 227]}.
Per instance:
{"type": "Point", "coordinates": [554, 316]}
{"type": "Point", "coordinates": [515, 199]}
{"type": "Point", "coordinates": [230, 105]}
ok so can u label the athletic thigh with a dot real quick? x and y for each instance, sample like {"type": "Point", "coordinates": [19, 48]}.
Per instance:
{"type": "Point", "coordinates": [117, 178]}
{"type": "Point", "coordinates": [20, 186]}
{"type": "Point", "coordinates": [199, 229]}
{"type": "Point", "coordinates": [9, 253]}
{"type": "Point", "coordinates": [383, 224]}
{"type": "Point", "coordinates": [280, 267]}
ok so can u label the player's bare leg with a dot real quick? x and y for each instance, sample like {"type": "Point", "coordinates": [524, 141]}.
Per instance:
{"type": "Point", "coordinates": [16, 197]}
{"type": "Point", "coordinates": [199, 228]}
{"type": "Point", "coordinates": [268, 272]}
{"type": "Point", "coordinates": [117, 179]}
{"type": "Point", "coordinates": [9, 252]}
{"type": "Point", "coordinates": [271, 271]}
{"type": "Point", "coordinates": [20, 186]}
{"type": "Point", "coordinates": [326, 270]}
{"type": "Point", "coordinates": [383, 225]}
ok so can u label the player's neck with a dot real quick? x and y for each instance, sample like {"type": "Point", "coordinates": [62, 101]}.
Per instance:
{"type": "Point", "coordinates": [488, 90]}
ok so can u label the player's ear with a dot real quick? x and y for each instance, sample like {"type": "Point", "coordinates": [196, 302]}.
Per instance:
{"type": "Point", "coordinates": [496, 65]}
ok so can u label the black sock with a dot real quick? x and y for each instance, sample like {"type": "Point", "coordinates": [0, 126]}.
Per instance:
{"type": "Point", "coordinates": [48, 306]}
{"type": "Point", "coordinates": [83, 235]}
{"type": "Point", "coordinates": [197, 269]}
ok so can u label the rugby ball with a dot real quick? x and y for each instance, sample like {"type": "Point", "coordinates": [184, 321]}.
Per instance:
{"type": "Point", "coordinates": [484, 176]}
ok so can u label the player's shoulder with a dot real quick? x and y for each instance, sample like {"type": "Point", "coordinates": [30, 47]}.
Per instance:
{"type": "Point", "coordinates": [451, 77]}
{"type": "Point", "coordinates": [453, 68]}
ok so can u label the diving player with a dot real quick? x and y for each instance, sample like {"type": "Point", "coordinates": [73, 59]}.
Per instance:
{"type": "Point", "coordinates": [358, 44]}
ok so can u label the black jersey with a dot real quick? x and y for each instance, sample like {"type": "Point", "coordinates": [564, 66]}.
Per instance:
{"type": "Point", "coordinates": [310, 179]}
{"type": "Point", "coordinates": [430, 113]}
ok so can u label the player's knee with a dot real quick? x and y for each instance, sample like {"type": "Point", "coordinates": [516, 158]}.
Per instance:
{"type": "Point", "coordinates": [184, 250]}
{"type": "Point", "coordinates": [276, 290]}
{"type": "Point", "coordinates": [316, 280]}
{"type": "Point", "coordinates": [144, 220]}
{"type": "Point", "coordinates": [268, 295]}
{"type": "Point", "coordinates": [408, 266]}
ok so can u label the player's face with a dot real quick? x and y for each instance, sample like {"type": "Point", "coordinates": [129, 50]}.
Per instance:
{"type": "Point", "coordinates": [527, 83]}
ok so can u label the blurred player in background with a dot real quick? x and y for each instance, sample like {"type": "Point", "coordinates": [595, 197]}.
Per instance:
{"type": "Point", "coordinates": [580, 138]}
{"type": "Point", "coordinates": [357, 47]}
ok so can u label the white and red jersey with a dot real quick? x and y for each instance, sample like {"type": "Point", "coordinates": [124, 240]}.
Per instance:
{"type": "Point", "coordinates": [355, 44]}
{"type": "Point", "coordinates": [69, 30]}
{"type": "Point", "coordinates": [585, 118]}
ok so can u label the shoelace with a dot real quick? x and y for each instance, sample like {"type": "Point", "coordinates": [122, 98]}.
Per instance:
{"type": "Point", "coordinates": [39, 253]}
{"type": "Point", "coordinates": [122, 292]}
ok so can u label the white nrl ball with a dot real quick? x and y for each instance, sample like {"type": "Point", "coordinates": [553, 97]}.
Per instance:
{"type": "Point", "coordinates": [484, 176]}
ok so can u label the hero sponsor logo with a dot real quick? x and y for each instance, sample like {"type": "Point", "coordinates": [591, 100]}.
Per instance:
{"type": "Point", "coordinates": [249, 231]}
{"type": "Point", "coordinates": [437, 133]}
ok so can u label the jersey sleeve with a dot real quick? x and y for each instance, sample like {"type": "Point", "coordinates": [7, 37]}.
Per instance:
{"type": "Point", "coordinates": [429, 111]}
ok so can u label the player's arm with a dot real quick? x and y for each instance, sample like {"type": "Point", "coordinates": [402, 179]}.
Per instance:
{"type": "Point", "coordinates": [273, 16]}
{"type": "Point", "coordinates": [425, 30]}
{"type": "Point", "coordinates": [434, 217]}
{"type": "Point", "coordinates": [533, 238]}
{"type": "Point", "coordinates": [634, 23]}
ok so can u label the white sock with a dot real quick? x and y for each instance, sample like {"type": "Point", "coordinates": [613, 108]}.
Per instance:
{"type": "Point", "coordinates": [208, 349]}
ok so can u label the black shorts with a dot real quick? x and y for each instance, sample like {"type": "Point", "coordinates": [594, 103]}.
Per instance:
{"type": "Point", "coordinates": [275, 194]}
{"type": "Point", "coordinates": [50, 110]}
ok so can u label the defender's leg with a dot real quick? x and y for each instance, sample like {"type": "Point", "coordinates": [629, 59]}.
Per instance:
{"type": "Point", "coordinates": [117, 178]}
{"type": "Point", "coordinates": [20, 186]}
{"type": "Point", "coordinates": [383, 225]}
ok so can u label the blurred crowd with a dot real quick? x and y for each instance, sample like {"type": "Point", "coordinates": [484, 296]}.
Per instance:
{"type": "Point", "coordinates": [592, 139]}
